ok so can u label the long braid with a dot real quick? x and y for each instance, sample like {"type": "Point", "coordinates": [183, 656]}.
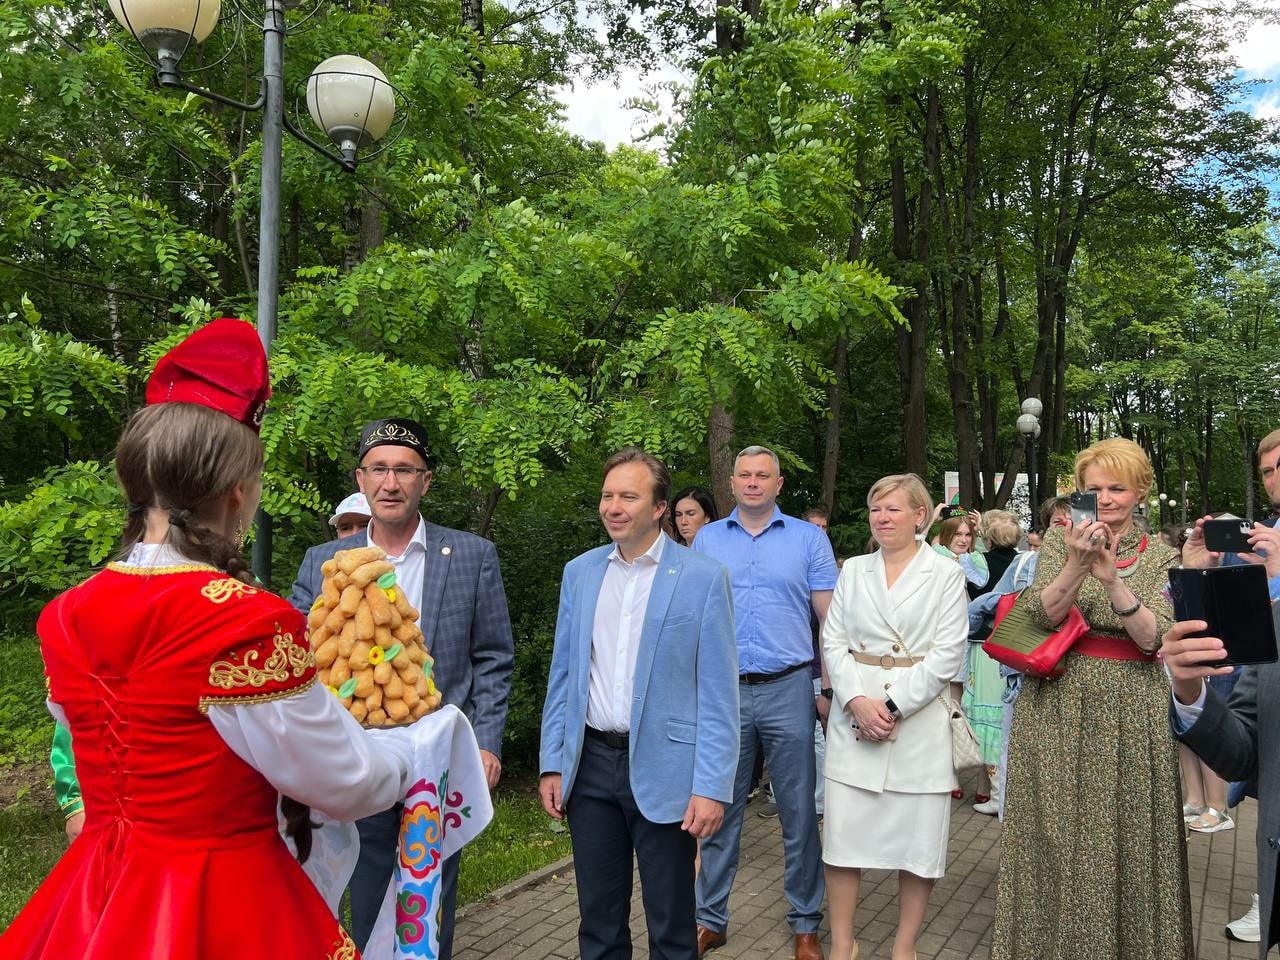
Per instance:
{"type": "Point", "coordinates": [182, 479]}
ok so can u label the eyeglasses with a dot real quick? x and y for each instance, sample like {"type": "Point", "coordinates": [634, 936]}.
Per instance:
{"type": "Point", "coordinates": [403, 474]}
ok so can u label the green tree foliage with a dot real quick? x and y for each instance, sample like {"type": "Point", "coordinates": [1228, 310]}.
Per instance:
{"type": "Point", "coordinates": [854, 210]}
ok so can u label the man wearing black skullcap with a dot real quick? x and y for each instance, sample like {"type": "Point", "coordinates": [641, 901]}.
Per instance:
{"type": "Point", "coordinates": [452, 577]}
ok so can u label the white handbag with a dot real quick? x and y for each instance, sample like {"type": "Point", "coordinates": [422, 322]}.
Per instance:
{"type": "Point", "coordinates": [965, 752]}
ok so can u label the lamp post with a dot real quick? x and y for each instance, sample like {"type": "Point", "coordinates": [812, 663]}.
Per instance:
{"type": "Point", "coordinates": [347, 97]}
{"type": "Point", "coordinates": [1029, 427]}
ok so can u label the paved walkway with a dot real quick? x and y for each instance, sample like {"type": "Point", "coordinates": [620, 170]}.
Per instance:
{"type": "Point", "coordinates": [536, 920]}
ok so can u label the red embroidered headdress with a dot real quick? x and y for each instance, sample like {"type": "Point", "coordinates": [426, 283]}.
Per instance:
{"type": "Point", "coordinates": [222, 366]}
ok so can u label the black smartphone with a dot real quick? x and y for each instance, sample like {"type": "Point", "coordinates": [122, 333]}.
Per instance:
{"type": "Point", "coordinates": [1228, 535]}
{"type": "Point", "coordinates": [1236, 604]}
{"type": "Point", "coordinates": [1084, 508]}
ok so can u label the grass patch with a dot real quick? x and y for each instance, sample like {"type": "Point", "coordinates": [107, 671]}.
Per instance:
{"type": "Point", "coordinates": [31, 841]}
{"type": "Point", "coordinates": [26, 728]}
{"type": "Point", "coordinates": [521, 838]}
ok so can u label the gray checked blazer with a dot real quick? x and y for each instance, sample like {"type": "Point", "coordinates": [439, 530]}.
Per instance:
{"type": "Point", "coordinates": [1240, 739]}
{"type": "Point", "coordinates": [464, 621]}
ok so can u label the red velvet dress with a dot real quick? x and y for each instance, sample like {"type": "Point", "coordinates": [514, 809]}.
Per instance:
{"type": "Point", "coordinates": [180, 855]}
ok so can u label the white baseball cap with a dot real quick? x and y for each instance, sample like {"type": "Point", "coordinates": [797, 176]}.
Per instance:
{"type": "Point", "coordinates": [356, 503]}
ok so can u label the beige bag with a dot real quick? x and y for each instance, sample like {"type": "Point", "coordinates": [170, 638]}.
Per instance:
{"type": "Point", "coordinates": [965, 752]}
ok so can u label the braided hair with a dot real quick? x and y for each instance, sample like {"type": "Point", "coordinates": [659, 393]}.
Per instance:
{"type": "Point", "coordinates": [180, 457]}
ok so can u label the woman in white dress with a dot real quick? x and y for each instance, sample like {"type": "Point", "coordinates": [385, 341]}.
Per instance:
{"type": "Point", "coordinates": [894, 637]}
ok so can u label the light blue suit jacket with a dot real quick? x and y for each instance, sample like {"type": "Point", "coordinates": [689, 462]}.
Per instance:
{"type": "Point", "coordinates": [684, 708]}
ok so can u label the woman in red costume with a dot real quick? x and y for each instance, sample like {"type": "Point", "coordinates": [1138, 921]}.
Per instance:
{"type": "Point", "coordinates": [191, 698]}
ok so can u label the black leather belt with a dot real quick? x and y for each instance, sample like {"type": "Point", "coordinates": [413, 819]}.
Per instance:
{"type": "Point", "coordinates": [619, 741]}
{"type": "Point", "coordinates": [754, 678]}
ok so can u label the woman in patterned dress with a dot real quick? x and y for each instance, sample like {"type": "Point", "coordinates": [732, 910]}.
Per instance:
{"type": "Point", "coordinates": [1092, 859]}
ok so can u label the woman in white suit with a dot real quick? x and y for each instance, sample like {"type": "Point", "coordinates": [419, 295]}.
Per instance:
{"type": "Point", "coordinates": [894, 637]}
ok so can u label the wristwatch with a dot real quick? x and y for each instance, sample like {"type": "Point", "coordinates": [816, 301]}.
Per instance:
{"type": "Point", "coordinates": [827, 692]}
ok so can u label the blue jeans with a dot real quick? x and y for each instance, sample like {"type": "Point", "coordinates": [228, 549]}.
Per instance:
{"type": "Point", "coordinates": [819, 760]}
{"type": "Point", "coordinates": [778, 716]}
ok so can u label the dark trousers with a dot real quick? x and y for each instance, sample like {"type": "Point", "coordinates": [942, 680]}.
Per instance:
{"type": "Point", "coordinates": [605, 826]}
{"type": "Point", "coordinates": [379, 836]}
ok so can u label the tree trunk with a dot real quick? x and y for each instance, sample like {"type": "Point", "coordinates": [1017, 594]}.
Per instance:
{"type": "Point", "coordinates": [959, 377]}
{"type": "Point", "coordinates": [835, 401]}
{"type": "Point", "coordinates": [295, 229]}
{"type": "Point", "coordinates": [1246, 455]}
{"type": "Point", "coordinates": [372, 231]}
{"type": "Point", "coordinates": [1207, 472]}
{"type": "Point", "coordinates": [113, 318]}
{"type": "Point", "coordinates": [473, 19]}
{"type": "Point", "coordinates": [840, 362]}
{"type": "Point", "coordinates": [912, 341]}
{"type": "Point", "coordinates": [484, 523]}
{"type": "Point", "coordinates": [720, 427]}
{"type": "Point", "coordinates": [221, 230]}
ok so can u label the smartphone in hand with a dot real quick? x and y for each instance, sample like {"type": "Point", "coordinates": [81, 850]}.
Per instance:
{"type": "Point", "coordinates": [1084, 508]}
{"type": "Point", "coordinates": [1228, 535]}
{"type": "Point", "coordinates": [1235, 603]}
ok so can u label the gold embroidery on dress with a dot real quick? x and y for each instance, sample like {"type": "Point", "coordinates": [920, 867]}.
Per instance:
{"type": "Point", "coordinates": [152, 571]}
{"type": "Point", "coordinates": [287, 657]}
{"type": "Point", "coordinates": [346, 947]}
{"type": "Point", "coordinates": [207, 702]}
{"type": "Point", "coordinates": [220, 591]}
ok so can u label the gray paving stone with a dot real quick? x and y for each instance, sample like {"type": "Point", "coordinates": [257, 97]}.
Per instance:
{"type": "Point", "coordinates": [537, 919]}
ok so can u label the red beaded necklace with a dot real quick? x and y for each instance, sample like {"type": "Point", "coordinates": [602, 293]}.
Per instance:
{"type": "Point", "coordinates": [1126, 564]}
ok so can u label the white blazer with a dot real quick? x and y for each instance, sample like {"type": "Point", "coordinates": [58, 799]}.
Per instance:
{"type": "Point", "coordinates": [924, 615]}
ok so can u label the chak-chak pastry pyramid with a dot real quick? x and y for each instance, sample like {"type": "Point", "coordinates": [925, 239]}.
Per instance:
{"type": "Point", "coordinates": [369, 650]}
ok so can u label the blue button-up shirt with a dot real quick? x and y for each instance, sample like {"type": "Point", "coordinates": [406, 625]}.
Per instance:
{"type": "Point", "coordinates": [772, 574]}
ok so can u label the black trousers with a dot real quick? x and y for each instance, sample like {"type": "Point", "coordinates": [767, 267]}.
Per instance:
{"type": "Point", "coordinates": [379, 837]}
{"type": "Point", "coordinates": [605, 826]}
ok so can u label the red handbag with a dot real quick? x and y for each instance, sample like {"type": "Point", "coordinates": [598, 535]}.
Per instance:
{"type": "Point", "coordinates": [1019, 642]}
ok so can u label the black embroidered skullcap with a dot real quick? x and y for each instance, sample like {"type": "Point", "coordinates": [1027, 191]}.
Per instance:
{"type": "Point", "coordinates": [397, 432]}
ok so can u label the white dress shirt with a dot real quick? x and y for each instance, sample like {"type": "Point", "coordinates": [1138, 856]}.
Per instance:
{"type": "Point", "coordinates": [1189, 713]}
{"type": "Point", "coordinates": [411, 566]}
{"type": "Point", "coordinates": [615, 637]}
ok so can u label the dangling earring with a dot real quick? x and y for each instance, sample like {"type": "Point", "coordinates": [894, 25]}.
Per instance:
{"type": "Point", "coordinates": [240, 535]}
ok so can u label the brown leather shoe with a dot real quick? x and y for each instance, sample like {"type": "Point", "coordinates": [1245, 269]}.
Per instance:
{"type": "Point", "coordinates": [710, 939]}
{"type": "Point", "coordinates": [808, 947]}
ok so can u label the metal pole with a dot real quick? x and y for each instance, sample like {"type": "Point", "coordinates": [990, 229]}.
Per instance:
{"type": "Point", "coordinates": [1031, 485]}
{"type": "Point", "coordinates": [273, 31]}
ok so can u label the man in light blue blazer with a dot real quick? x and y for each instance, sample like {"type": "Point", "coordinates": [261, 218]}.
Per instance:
{"type": "Point", "coordinates": [640, 726]}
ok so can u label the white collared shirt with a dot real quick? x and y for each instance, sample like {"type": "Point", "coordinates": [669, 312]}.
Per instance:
{"type": "Point", "coordinates": [615, 637]}
{"type": "Point", "coordinates": [411, 566]}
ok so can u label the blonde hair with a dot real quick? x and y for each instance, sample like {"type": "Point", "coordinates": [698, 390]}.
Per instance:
{"type": "Point", "coordinates": [910, 484]}
{"type": "Point", "coordinates": [1269, 443]}
{"type": "Point", "coordinates": [1120, 458]}
{"type": "Point", "coordinates": [1000, 528]}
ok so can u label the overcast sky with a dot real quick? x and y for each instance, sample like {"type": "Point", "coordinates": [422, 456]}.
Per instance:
{"type": "Point", "coordinates": [598, 112]}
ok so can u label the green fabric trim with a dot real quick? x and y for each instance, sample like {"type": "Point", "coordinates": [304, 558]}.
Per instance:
{"type": "Point", "coordinates": [66, 788]}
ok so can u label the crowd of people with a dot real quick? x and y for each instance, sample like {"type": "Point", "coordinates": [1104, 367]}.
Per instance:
{"type": "Point", "coordinates": [687, 649]}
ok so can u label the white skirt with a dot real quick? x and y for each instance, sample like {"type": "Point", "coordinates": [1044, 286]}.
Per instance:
{"type": "Point", "coordinates": [886, 831]}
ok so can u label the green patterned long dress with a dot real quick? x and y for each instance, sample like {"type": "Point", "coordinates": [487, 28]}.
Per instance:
{"type": "Point", "coordinates": [1093, 864]}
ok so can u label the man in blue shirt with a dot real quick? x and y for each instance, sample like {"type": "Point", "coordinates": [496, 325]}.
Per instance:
{"type": "Point", "coordinates": [781, 570]}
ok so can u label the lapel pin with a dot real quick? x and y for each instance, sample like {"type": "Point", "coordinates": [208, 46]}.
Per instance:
{"type": "Point", "coordinates": [446, 550]}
